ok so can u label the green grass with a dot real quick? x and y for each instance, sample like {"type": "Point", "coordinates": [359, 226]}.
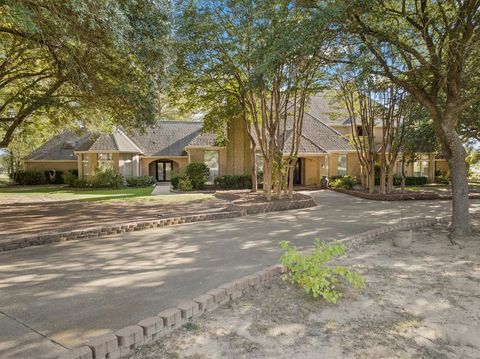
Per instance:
{"type": "Point", "coordinates": [62, 193]}
{"type": "Point", "coordinates": [438, 187]}
{"type": "Point", "coordinates": [4, 180]}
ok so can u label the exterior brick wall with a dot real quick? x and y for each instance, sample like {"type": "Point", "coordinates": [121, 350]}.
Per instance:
{"type": "Point", "coordinates": [42, 166]}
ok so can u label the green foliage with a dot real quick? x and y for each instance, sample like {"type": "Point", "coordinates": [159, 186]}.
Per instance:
{"type": "Point", "coordinates": [409, 181]}
{"type": "Point", "coordinates": [107, 178]}
{"type": "Point", "coordinates": [346, 182]}
{"type": "Point", "coordinates": [141, 181]}
{"type": "Point", "coordinates": [185, 184]}
{"type": "Point", "coordinates": [313, 273]}
{"type": "Point", "coordinates": [81, 183]}
{"type": "Point", "coordinates": [29, 178]}
{"type": "Point", "coordinates": [175, 180]}
{"type": "Point", "coordinates": [233, 182]}
{"type": "Point", "coordinates": [54, 177]}
{"type": "Point", "coordinates": [198, 174]}
{"type": "Point", "coordinates": [70, 178]}
{"type": "Point", "coordinates": [90, 61]}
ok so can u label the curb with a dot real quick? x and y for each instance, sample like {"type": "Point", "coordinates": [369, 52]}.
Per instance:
{"type": "Point", "coordinates": [124, 341]}
{"type": "Point", "coordinates": [355, 240]}
{"type": "Point", "coordinates": [96, 232]}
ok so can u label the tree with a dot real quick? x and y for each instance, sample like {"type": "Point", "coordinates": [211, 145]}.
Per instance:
{"type": "Point", "coordinates": [395, 118]}
{"type": "Point", "coordinates": [362, 110]}
{"type": "Point", "coordinates": [83, 61]}
{"type": "Point", "coordinates": [247, 60]}
{"type": "Point", "coordinates": [431, 49]}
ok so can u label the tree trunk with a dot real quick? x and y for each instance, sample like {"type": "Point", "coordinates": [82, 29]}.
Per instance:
{"type": "Point", "coordinates": [456, 154]}
{"type": "Point", "coordinates": [254, 167]}
{"type": "Point", "coordinates": [267, 179]}
{"type": "Point", "coordinates": [383, 178]}
{"type": "Point", "coordinates": [291, 172]}
{"type": "Point", "coordinates": [389, 179]}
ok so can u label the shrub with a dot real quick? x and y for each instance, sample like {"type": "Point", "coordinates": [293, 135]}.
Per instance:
{"type": "Point", "coordinates": [81, 183]}
{"type": "Point", "coordinates": [409, 181]}
{"type": "Point", "coordinates": [141, 181]}
{"type": "Point", "coordinates": [198, 174]}
{"type": "Point", "coordinates": [185, 184]}
{"type": "Point", "coordinates": [312, 272]}
{"type": "Point", "coordinates": [107, 178]}
{"type": "Point", "coordinates": [346, 182]}
{"type": "Point", "coordinates": [29, 178]}
{"type": "Point", "coordinates": [233, 182]}
{"type": "Point", "coordinates": [70, 177]}
{"type": "Point", "coordinates": [175, 180]}
{"type": "Point", "coordinates": [54, 177]}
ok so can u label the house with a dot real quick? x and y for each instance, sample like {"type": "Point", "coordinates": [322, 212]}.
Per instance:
{"type": "Point", "coordinates": [166, 148]}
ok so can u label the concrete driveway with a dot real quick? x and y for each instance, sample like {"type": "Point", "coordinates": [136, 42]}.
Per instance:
{"type": "Point", "coordinates": [57, 296]}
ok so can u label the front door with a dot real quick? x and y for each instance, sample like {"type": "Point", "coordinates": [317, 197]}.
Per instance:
{"type": "Point", "coordinates": [297, 172]}
{"type": "Point", "coordinates": [164, 171]}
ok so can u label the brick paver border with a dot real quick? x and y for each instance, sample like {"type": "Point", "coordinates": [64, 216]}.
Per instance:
{"type": "Point", "coordinates": [95, 232]}
{"type": "Point", "coordinates": [124, 341]}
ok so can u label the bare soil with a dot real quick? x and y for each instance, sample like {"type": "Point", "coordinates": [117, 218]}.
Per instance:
{"type": "Point", "coordinates": [24, 219]}
{"type": "Point", "coordinates": [420, 302]}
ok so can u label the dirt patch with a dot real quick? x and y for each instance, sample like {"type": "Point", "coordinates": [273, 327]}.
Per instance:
{"type": "Point", "coordinates": [421, 302]}
{"type": "Point", "coordinates": [24, 219]}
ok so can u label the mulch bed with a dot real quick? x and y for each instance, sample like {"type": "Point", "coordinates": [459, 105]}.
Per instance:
{"type": "Point", "coordinates": [401, 195]}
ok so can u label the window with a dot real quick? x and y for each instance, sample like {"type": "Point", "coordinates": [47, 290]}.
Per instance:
{"type": "Point", "coordinates": [84, 165]}
{"type": "Point", "coordinates": [211, 160]}
{"type": "Point", "coordinates": [342, 165]}
{"type": "Point", "coordinates": [359, 131]}
{"type": "Point", "coordinates": [105, 161]}
{"type": "Point", "coordinates": [126, 165]}
{"type": "Point", "coordinates": [421, 167]}
{"type": "Point", "coordinates": [259, 163]}
{"type": "Point", "coordinates": [399, 168]}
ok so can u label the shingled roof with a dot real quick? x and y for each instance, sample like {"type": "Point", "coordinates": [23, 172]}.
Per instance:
{"type": "Point", "coordinates": [61, 147]}
{"type": "Point", "coordinates": [326, 107]}
{"type": "Point", "coordinates": [117, 141]}
{"type": "Point", "coordinates": [169, 138]}
{"type": "Point", "coordinates": [324, 136]}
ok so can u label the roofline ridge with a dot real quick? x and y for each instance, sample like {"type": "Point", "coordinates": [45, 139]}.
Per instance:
{"type": "Point", "coordinates": [312, 142]}
{"type": "Point", "coordinates": [128, 139]}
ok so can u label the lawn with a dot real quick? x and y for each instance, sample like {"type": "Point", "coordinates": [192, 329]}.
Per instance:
{"type": "Point", "coordinates": [439, 187]}
{"type": "Point", "coordinates": [23, 194]}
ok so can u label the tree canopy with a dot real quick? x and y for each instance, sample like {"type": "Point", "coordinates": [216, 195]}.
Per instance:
{"type": "Point", "coordinates": [86, 62]}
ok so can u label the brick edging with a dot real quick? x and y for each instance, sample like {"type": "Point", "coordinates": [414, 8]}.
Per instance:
{"type": "Point", "coordinates": [364, 237]}
{"type": "Point", "coordinates": [96, 232]}
{"type": "Point", "coordinates": [124, 341]}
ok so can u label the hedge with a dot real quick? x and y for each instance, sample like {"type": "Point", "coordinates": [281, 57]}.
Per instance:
{"type": "Point", "coordinates": [141, 181]}
{"type": "Point", "coordinates": [233, 182]}
{"type": "Point", "coordinates": [29, 178]}
{"type": "Point", "coordinates": [409, 181]}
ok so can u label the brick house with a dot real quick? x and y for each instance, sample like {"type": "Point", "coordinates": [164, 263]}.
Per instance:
{"type": "Point", "coordinates": [166, 147]}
